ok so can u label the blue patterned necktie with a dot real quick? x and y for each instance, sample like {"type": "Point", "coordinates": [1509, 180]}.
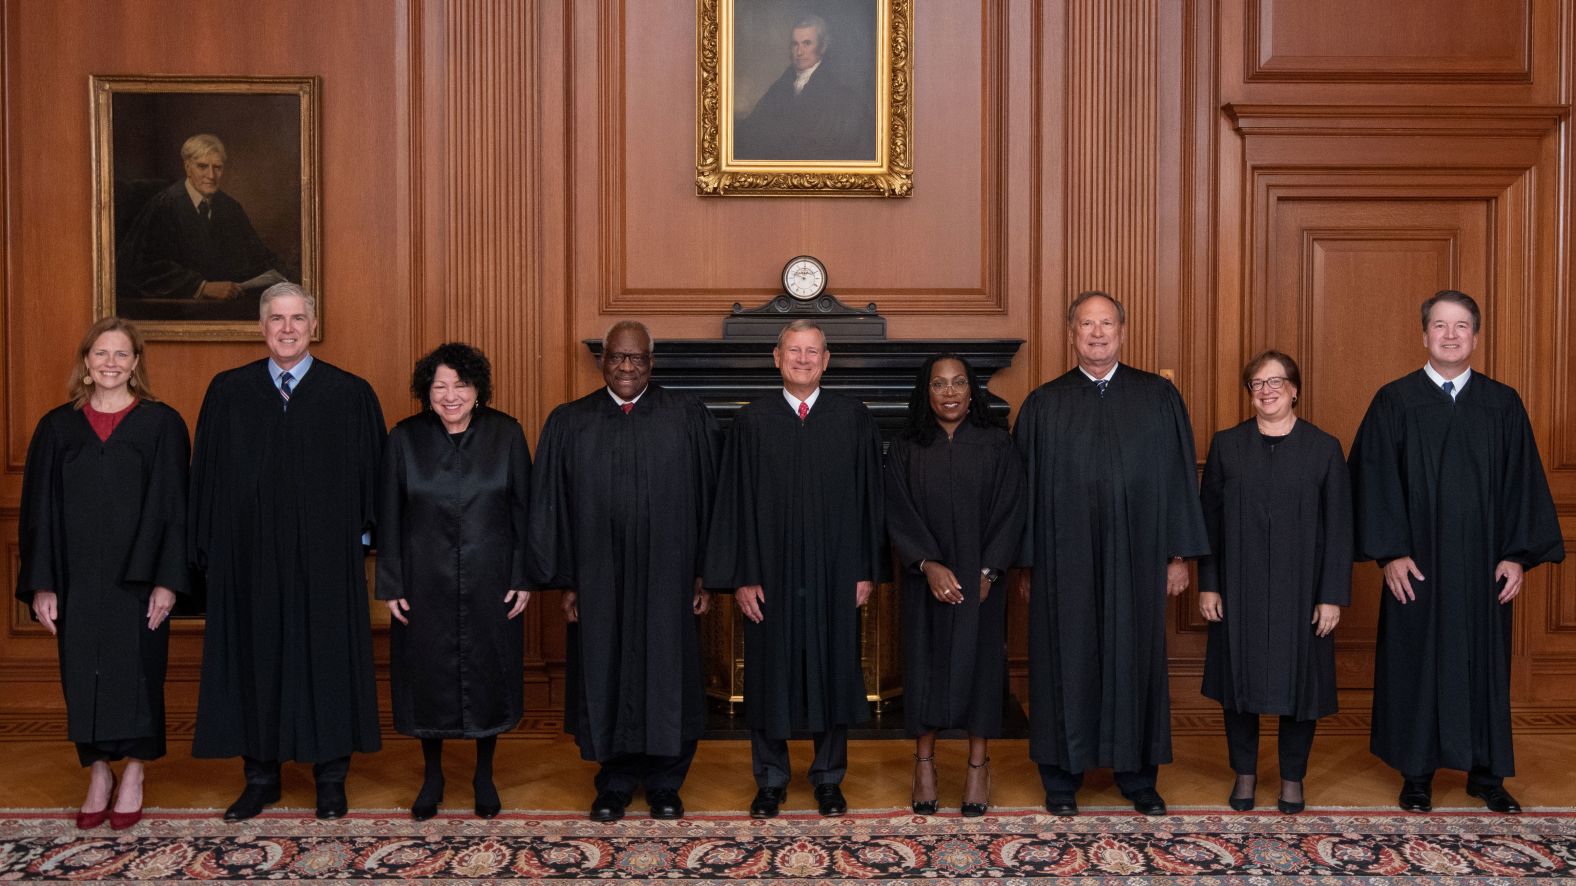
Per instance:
{"type": "Point", "coordinates": [1101, 383]}
{"type": "Point", "coordinates": [1449, 387]}
{"type": "Point", "coordinates": [285, 379]}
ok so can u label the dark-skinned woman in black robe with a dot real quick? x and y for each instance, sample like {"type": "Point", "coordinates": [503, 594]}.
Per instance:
{"type": "Point", "coordinates": [955, 512]}
{"type": "Point", "coordinates": [1277, 504]}
{"type": "Point", "coordinates": [103, 554]}
{"type": "Point", "coordinates": [451, 564]}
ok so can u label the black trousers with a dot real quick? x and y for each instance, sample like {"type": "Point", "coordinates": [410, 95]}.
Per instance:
{"type": "Point", "coordinates": [149, 748]}
{"type": "Point", "coordinates": [1477, 777]}
{"type": "Point", "coordinates": [1242, 742]}
{"type": "Point", "coordinates": [769, 758]}
{"type": "Point", "coordinates": [623, 774]}
{"type": "Point", "coordinates": [267, 771]}
{"type": "Point", "coordinates": [1059, 781]}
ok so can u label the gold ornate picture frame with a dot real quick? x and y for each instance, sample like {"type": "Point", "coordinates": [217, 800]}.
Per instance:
{"type": "Point", "coordinates": [804, 99]}
{"type": "Point", "coordinates": [206, 191]}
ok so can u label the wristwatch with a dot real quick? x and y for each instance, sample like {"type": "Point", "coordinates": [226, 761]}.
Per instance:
{"type": "Point", "coordinates": [990, 574]}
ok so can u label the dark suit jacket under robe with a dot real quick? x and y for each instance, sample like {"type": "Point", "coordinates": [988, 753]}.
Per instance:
{"type": "Point", "coordinates": [619, 512]}
{"type": "Point", "coordinates": [279, 501]}
{"type": "Point", "coordinates": [1114, 496]}
{"type": "Point", "coordinates": [451, 543]}
{"type": "Point", "coordinates": [1458, 487]}
{"type": "Point", "coordinates": [799, 512]}
{"type": "Point", "coordinates": [102, 524]}
{"type": "Point", "coordinates": [960, 503]}
{"type": "Point", "coordinates": [170, 250]}
{"type": "Point", "coordinates": [1280, 539]}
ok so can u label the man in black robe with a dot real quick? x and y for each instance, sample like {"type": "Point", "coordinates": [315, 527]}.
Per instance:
{"type": "Point", "coordinates": [797, 531]}
{"type": "Point", "coordinates": [1451, 500]}
{"type": "Point", "coordinates": [623, 484]}
{"type": "Point", "coordinates": [194, 241]}
{"type": "Point", "coordinates": [1114, 513]}
{"type": "Point", "coordinates": [809, 113]}
{"type": "Point", "coordinates": [283, 489]}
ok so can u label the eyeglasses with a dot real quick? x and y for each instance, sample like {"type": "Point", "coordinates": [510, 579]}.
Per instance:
{"type": "Point", "coordinates": [941, 384]}
{"type": "Point", "coordinates": [1274, 383]}
{"type": "Point", "coordinates": [636, 360]}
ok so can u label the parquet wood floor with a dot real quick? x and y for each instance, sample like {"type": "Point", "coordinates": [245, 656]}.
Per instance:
{"type": "Point", "coordinates": [542, 774]}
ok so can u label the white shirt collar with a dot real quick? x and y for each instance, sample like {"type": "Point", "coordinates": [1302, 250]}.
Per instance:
{"type": "Point", "coordinates": [297, 371]}
{"type": "Point", "coordinates": [802, 78]}
{"type": "Point", "coordinates": [1106, 377]}
{"type": "Point", "coordinates": [1439, 380]}
{"type": "Point", "coordinates": [794, 401]}
{"type": "Point", "coordinates": [621, 402]}
{"type": "Point", "coordinates": [195, 195]}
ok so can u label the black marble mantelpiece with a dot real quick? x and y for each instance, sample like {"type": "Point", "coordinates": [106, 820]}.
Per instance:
{"type": "Point", "coordinates": [726, 374]}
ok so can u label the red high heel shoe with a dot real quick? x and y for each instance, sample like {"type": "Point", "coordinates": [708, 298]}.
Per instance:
{"type": "Point", "coordinates": [89, 820]}
{"type": "Point", "coordinates": [119, 821]}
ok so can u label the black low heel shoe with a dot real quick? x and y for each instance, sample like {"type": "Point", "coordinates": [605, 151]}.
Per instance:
{"type": "Point", "coordinates": [427, 800]}
{"type": "Point", "coordinates": [975, 810]}
{"type": "Point", "coordinates": [1286, 806]}
{"type": "Point", "coordinates": [1242, 804]}
{"type": "Point", "coordinates": [487, 803]}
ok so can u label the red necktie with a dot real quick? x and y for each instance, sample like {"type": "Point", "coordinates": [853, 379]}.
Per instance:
{"type": "Point", "coordinates": [628, 406]}
{"type": "Point", "coordinates": [804, 410]}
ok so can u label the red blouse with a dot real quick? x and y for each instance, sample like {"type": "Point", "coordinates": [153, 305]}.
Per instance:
{"type": "Point", "coordinates": [104, 422]}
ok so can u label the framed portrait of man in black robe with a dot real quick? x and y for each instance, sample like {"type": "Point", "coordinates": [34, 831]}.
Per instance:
{"type": "Point", "coordinates": [807, 98]}
{"type": "Point", "coordinates": [206, 191]}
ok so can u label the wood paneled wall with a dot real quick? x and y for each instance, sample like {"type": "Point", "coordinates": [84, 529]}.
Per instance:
{"type": "Point", "coordinates": [519, 174]}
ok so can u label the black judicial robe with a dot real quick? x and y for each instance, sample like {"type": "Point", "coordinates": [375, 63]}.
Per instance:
{"type": "Point", "coordinates": [279, 501]}
{"type": "Point", "coordinates": [170, 250]}
{"type": "Point", "coordinates": [1114, 497]}
{"type": "Point", "coordinates": [799, 512]}
{"type": "Point", "coordinates": [1458, 487]}
{"type": "Point", "coordinates": [102, 524]}
{"type": "Point", "coordinates": [618, 515]}
{"type": "Point", "coordinates": [1280, 537]}
{"type": "Point", "coordinates": [452, 542]}
{"type": "Point", "coordinates": [961, 503]}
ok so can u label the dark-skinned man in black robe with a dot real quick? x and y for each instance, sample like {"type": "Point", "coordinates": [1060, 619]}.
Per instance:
{"type": "Point", "coordinates": [623, 484]}
{"type": "Point", "coordinates": [1451, 500]}
{"type": "Point", "coordinates": [797, 531]}
{"type": "Point", "coordinates": [1114, 512]}
{"type": "Point", "coordinates": [283, 496]}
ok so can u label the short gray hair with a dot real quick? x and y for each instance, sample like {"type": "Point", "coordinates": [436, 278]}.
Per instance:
{"type": "Point", "coordinates": [801, 325]}
{"type": "Point", "coordinates": [814, 21]}
{"type": "Point", "coordinates": [201, 145]}
{"type": "Point", "coordinates": [627, 326]}
{"type": "Point", "coordinates": [1072, 309]}
{"type": "Point", "coordinates": [280, 290]}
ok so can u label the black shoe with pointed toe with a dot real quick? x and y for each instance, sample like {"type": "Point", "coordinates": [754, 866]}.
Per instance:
{"type": "Point", "coordinates": [1496, 798]}
{"type": "Point", "coordinates": [251, 802]}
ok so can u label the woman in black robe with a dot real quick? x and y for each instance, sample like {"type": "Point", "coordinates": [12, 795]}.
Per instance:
{"type": "Point", "coordinates": [1277, 503]}
{"type": "Point", "coordinates": [103, 554]}
{"type": "Point", "coordinates": [955, 512]}
{"type": "Point", "coordinates": [451, 564]}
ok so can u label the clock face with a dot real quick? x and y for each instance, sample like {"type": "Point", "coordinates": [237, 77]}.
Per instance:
{"type": "Point", "coordinates": [804, 277]}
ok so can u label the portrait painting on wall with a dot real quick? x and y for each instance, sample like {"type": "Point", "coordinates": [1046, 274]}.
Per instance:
{"type": "Point", "coordinates": [808, 97]}
{"type": "Point", "coordinates": [206, 193]}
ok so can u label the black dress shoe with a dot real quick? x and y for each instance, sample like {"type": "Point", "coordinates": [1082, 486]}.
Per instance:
{"type": "Point", "coordinates": [423, 811]}
{"type": "Point", "coordinates": [1416, 796]}
{"type": "Point", "coordinates": [829, 797]}
{"type": "Point", "coordinates": [1287, 807]}
{"type": "Point", "coordinates": [767, 802]}
{"type": "Point", "coordinates": [1496, 798]}
{"type": "Point", "coordinates": [331, 801]}
{"type": "Point", "coordinates": [1148, 802]}
{"type": "Point", "coordinates": [1065, 805]}
{"type": "Point", "coordinates": [487, 804]}
{"type": "Point", "coordinates": [251, 802]}
{"type": "Point", "coordinates": [1243, 803]}
{"type": "Point", "coordinates": [608, 806]}
{"type": "Point", "coordinates": [427, 800]}
{"type": "Point", "coordinates": [665, 804]}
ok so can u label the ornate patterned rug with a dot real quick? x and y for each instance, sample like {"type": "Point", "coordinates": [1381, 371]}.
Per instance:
{"type": "Point", "coordinates": [1008, 846]}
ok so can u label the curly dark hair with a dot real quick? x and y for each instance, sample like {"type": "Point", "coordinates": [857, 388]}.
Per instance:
{"type": "Point", "coordinates": [922, 426]}
{"type": "Point", "coordinates": [470, 364]}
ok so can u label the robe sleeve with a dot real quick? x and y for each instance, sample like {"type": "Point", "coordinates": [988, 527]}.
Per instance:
{"type": "Point", "coordinates": [877, 566]}
{"type": "Point", "coordinates": [550, 545]}
{"type": "Point", "coordinates": [1335, 571]}
{"type": "Point", "coordinates": [1024, 434]}
{"type": "Point", "coordinates": [1529, 524]}
{"type": "Point", "coordinates": [732, 554]}
{"type": "Point", "coordinates": [158, 555]}
{"type": "Point", "coordinates": [205, 507]}
{"type": "Point", "coordinates": [1186, 536]}
{"type": "Point", "coordinates": [373, 432]}
{"type": "Point", "coordinates": [911, 537]}
{"type": "Point", "coordinates": [1212, 499]}
{"type": "Point", "coordinates": [39, 567]}
{"type": "Point", "coordinates": [1383, 530]}
{"type": "Point", "coordinates": [705, 453]}
{"type": "Point", "coordinates": [520, 507]}
{"type": "Point", "coordinates": [1009, 509]}
{"type": "Point", "coordinates": [391, 583]}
